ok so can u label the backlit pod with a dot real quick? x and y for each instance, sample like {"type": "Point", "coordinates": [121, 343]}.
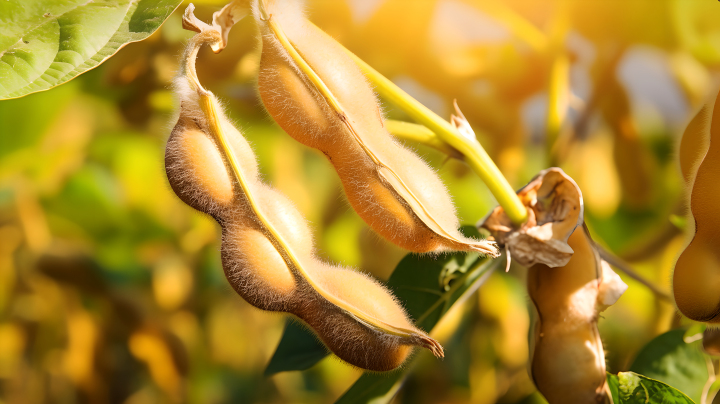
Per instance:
{"type": "Point", "coordinates": [568, 359]}
{"type": "Point", "coordinates": [267, 248]}
{"type": "Point", "coordinates": [696, 279]}
{"type": "Point", "coordinates": [319, 96]}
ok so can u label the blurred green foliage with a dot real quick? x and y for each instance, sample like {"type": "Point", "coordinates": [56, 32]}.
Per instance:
{"type": "Point", "coordinates": [632, 388]}
{"type": "Point", "coordinates": [111, 289]}
{"type": "Point", "coordinates": [669, 359]}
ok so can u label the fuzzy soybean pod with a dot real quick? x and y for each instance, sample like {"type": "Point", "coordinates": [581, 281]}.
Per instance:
{"type": "Point", "coordinates": [318, 95]}
{"type": "Point", "coordinates": [267, 247]}
{"type": "Point", "coordinates": [568, 360]}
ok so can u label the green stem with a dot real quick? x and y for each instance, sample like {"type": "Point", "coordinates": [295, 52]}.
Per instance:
{"type": "Point", "coordinates": [474, 154]}
{"type": "Point", "coordinates": [420, 134]}
{"type": "Point", "coordinates": [623, 266]}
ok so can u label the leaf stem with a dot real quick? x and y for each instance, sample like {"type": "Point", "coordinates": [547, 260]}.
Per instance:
{"type": "Point", "coordinates": [475, 155]}
{"type": "Point", "coordinates": [421, 134]}
{"type": "Point", "coordinates": [625, 267]}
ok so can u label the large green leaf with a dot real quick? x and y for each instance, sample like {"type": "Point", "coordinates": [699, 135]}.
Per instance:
{"type": "Point", "coordinates": [428, 287]}
{"type": "Point", "coordinates": [669, 359]}
{"type": "Point", "coordinates": [45, 43]}
{"type": "Point", "coordinates": [632, 388]}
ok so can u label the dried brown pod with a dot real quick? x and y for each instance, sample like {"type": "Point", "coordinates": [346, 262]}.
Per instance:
{"type": "Point", "coordinates": [696, 279]}
{"type": "Point", "coordinates": [568, 360]}
{"type": "Point", "coordinates": [568, 284]}
{"type": "Point", "coordinates": [267, 247]}
{"type": "Point", "coordinates": [555, 209]}
{"type": "Point", "coordinates": [318, 95]}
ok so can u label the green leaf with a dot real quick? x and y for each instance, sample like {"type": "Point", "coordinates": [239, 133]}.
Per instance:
{"type": "Point", "coordinates": [614, 387]}
{"type": "Point", "coordinates": [669, 359]}
{"type": "Point", "coordinates": [428, 287]}
{"type": "Point", "coordinates": [299, 349]}
{"type": "Point", "coordinates": [632, 388]}
{"type": "Point", "coordinates": [46, 43]}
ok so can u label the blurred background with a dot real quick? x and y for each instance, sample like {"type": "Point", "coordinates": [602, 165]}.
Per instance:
{"type": "Point", "coordinates": [111, 289]}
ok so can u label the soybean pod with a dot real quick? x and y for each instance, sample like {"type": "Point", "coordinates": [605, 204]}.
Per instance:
{"type": "Point", "coordinates": [267, 248]}
{"type": "Point", "coordinates": [319, 96]}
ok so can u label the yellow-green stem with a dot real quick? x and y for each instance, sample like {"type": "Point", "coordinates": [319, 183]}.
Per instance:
{"type": "Point", "coordinates": [421, 134]}
{"type": "Point", "coordinates": [474, 154]}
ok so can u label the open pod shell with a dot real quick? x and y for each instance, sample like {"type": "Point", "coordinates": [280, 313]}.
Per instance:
{"type": "Point", "coordinates": [267, 247]}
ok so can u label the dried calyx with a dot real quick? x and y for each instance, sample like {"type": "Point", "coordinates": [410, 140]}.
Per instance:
{"type": "Point", "coordinates": [267, 248]}
{"type": "Point", "coordinates": [555, 209]}
{"type": "Point", "coordinates": [319, 96]}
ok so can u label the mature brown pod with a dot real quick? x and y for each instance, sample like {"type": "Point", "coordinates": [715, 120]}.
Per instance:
{"type": "Point", "coordinates": [568, 284]}
{"type": "Point", "coordinates": [267, 248]}
{"type": "Point", "coordinates": [696, 279]}
{"type": "Point", "coordinates": [318, 95]}
{"type": "Point", "coordinates": [568, 360]}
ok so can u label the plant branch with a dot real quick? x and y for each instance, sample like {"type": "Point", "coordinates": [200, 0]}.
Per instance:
{"type": "Point", "coordinates": [421, 134]}
{"type": "Point", "coordinates": [629, 271]}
